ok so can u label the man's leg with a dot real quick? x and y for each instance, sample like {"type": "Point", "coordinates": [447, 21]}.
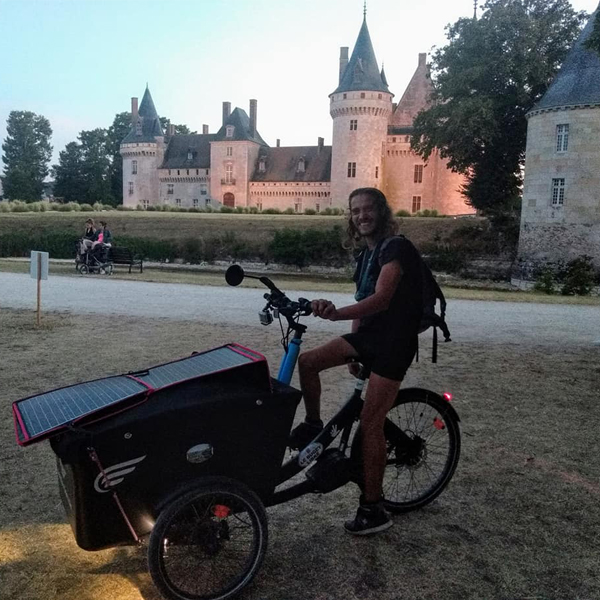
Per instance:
{"type": "Point", "coordinates": [380, 397]}
{"type": "Point", "coordinates": [310, 363]}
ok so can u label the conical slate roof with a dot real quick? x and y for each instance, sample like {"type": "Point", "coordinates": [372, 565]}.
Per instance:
{"type": "Point", "coordinates": [149, 124]}
{"type": "Point", "coordinates": [241, 122]}
{"type": "Point", "coordinates": [362, 72]}
{"type": "Point", "coordinates": [578, 81]}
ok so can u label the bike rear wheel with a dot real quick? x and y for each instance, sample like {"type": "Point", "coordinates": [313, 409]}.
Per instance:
{"type": "Point", "coordinates": [209, 543]}
{"type": "Point", "coordinates": [420, 463]}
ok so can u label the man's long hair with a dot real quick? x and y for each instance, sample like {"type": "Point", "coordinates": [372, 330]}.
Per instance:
{"type": "Point", "coordinates": [386, 225]}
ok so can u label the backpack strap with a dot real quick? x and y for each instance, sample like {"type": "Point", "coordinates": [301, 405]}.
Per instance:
{"type": "Point", "coordinates": [434, 350]}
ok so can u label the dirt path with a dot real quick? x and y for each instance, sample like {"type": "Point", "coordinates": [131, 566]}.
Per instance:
{"type": "Point", "coordinates": [493, 322]}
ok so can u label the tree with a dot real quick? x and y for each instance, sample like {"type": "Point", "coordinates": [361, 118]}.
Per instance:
{"type": "Point", "coordinates": [179, 129]}
{"type": "Point", "coordinates": [27, 153]}
{"type": "Point", "coordinates": [68, 174]}
{"type": "Point", "coordinates": [593, 42]}
{"type": "Point", "coordinates": [95, 168]}
{"type": "Point", "coordinates": [491, 73]}
{"type": "Point", "coordinates": [116, 134]}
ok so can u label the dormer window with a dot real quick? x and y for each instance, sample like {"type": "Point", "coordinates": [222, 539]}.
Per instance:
{"type": "Point", "coordinates": [138, 127]}
{"type": "Point", "coordinates": [229, 131]}
{"type": "Point", "coordinates": [262, 164]}
{"type": "Point", "coordinates": [190, 154]}
{"type": "Point", "coordinates": [301, 165]}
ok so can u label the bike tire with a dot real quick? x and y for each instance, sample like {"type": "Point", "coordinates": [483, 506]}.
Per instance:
{"type": "Point", "coordinates": [191, 554]}
{"type": "Point", "coordinates": [417, 475]}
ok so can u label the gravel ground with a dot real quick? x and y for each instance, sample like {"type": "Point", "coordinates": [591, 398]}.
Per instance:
{"type": "Point", "coordinates": [505, 322]}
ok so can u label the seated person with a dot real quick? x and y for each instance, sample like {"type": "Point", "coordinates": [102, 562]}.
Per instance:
{"type": "Point", "coordinates": [103, 236]}
{"type": "Point", "coordinates": [88, 237]}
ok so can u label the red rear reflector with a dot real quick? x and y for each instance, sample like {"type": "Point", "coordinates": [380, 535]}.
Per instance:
{"type": "Point", "coordinates": [438, 424]}
{"type": "Point", "coordinates": [221, 511]}
{"type": "Point", "coordinates": [447, 396]}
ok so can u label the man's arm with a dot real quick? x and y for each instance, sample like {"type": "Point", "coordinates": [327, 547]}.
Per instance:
{"type": "Point", "coordinates": [387, 282]}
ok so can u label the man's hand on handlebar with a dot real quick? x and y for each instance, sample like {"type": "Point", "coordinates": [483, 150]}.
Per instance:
{"type": "Point", "coordinates": [354, 368]}
{"type": "Point", "coordinates": [324, 309]}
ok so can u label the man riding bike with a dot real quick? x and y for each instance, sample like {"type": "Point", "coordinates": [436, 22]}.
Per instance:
{"type": "Point", "coordinates": [385, 325]}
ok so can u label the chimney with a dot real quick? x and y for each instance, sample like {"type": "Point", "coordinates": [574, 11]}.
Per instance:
{"type": "Point", "coordinates": [134, 110]}
{"type": "Point", "coordinates": [278, 142]}
{"type": "Point", "coordinates": [343, 61]}
{"type": "Point", "coordinates": [253, 105]}
{"type": "Point", "coordinates": [320, 142]}
{"type": "Point", "coordinates": [422, 59]}
{"type": "Point", "coordinates": [171, 129]}
{"type": "Point", "coordinates": [226, 111]}
{"type": "Point", "coordinates": [204, 129]}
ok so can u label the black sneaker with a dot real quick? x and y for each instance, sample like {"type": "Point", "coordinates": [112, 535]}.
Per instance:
{"type": "Point", "coordinates": [370, 518]}
{"type": "Point", "coordinates": [304, 434]}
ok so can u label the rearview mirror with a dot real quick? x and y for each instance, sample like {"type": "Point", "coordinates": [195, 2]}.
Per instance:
{"type": "Point", "coordinates": [234, 275]}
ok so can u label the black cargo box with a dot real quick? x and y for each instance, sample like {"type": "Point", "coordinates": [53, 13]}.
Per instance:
{"type": "Point", "coordinates": [215, 413]}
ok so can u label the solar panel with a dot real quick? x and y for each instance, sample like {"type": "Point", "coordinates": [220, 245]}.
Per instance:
{"type": "Point", "coordinates": [37, 416]}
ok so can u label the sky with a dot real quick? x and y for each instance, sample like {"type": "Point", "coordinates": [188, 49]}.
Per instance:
{"type": "Point", "coordinates": [79, 62]}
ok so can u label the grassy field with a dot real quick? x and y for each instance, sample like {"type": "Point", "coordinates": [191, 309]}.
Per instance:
{"type": "Point", "coordinates": [185, 225]}
{"type": "Point", "coordinates": [518, 522]}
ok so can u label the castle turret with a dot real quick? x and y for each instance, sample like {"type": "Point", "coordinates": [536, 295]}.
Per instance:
{"type": "Point", "coordinates": [360, 108]}
{"type": "Point", "coordinates": [142, 151]}
{"type": "Point", "coordinates": [560, 216]}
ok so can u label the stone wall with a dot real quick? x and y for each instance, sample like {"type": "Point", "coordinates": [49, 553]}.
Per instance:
{"type": "Point", "coordinates": [145, 185]}
{"type": "Point", "coordinates": [296, 195]}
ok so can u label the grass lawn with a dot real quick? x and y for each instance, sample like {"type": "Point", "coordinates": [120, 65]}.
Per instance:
{"type": "Point", "coordinates": [518, 521]}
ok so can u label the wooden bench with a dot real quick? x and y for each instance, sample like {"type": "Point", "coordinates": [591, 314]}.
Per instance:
{"type": "Point", "coordinates": [124, 256]}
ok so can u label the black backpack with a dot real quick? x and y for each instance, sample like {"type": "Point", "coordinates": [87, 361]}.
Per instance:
{"type": "Point", "coordinates": [431, 294]}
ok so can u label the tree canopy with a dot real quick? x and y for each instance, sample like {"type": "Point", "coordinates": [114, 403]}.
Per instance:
{"type": "Point", "coordinates": [179, 129]}
{"type": "Point", "coordinates": [490, 74]}
{"type": "Point", "coordinates": [27, 153]}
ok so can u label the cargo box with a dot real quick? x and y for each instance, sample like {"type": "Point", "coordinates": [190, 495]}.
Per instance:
{"type": "Point", "coordinates": [126, 445]}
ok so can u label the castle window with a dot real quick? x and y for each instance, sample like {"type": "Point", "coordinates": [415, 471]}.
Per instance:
{"type": "Point", "coordinates": [131, 188]}
{"type": "Point", "coordinates": [418, 173]}
{"type": "Point", "coordinates": [134, 167]}
{"type": "Point", "coordinates": [207, 202]}
{"type": "Point", "coordinates": [203, 191]}
{"type": "Point", "coordinates": [187, 171]}
{"type": "Point", "coordinates": [170, 189]}
{"type": "Point", "coordinates": [562, 138]}
{"type": "Point", "coordinates": [362, 94]}
{"type": "Point", "coordinates": [169, 171]}
{"type": "Point", "coordinates": [190, 155]}
{"type": "Point", "coordinates": [229, 150]}
{"type": "Point", "coordinates": [197, 171]}
{"type": "Point", "coordinates": [558, 192]}
{"type": "Point", "coordinates": [298, 206]}
{"type": "Point", "coordinates": [379, 96]}
{"type": "Point", "coordinates": [178, 172]}
{"type": "Point", "coordinates": [318, 207]}
{"type": "Point", "coordinates": [376, 172]}
{"type": "Point", "coordinates": [228, 173]}
{"type": "Point", "coordinates": [353, 124]}
{"type": "Point", "coordinates": [259, 205]}
{"type": "Point", "coordinates": [195, 202]}
{"type": "Point", "coordinates": [262, 167]}
{"type": "Point", "coordinates": [351, 169]}
{"type": "Point", "coordinates": [178, 202]}
{"type": "Point", "coordinates": [145, 204]}
{"type": "Point", "coordinates": [138, 128]}
{"type": "Point", "coordinates": [229, 131]}
{"type": "Point", "coordinates": [345, 96]}
{"type": "Point", "coordinates": [407, 138]}
{"type": "Point", "coordinates": [416, 204]}
{"type": "Point", "coordinates": [301, 166]}
{"type": "Point", "coordinates": [394, 140]}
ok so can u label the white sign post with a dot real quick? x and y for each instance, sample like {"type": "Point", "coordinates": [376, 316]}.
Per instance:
{"type": "Point", "coordinates": [38, 269]}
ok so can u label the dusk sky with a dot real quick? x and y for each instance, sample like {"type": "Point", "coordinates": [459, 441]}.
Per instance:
{"type": "Point", "coordinates": [79, 62]}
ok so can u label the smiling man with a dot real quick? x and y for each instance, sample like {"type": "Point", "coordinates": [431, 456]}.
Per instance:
{"type": "Point", "coordinates": [385, 325]}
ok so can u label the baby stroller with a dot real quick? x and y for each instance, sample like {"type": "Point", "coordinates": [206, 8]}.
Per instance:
{"type": "Point", "coordinates": [93, 260]}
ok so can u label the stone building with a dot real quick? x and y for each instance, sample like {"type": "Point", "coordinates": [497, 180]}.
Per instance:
{"type": "Point", "coordinates": [235, 167]}
{"type": "Point", "coordinates": [560, 218]}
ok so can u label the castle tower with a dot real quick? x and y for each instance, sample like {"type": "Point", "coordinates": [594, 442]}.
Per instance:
{"type": "Point", "coordinates": [142, 151]}
{"type": "Point", "coordinates": [560, 217]}
{"type": "Point", "coordinates": [360, 108]}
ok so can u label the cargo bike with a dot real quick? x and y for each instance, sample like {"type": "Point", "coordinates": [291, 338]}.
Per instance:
{"type": "Point", "coordinates": [188, 454]}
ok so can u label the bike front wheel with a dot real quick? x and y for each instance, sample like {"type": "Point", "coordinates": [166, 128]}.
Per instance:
{"type": "Point", "coordinates": [209, 543]}
{"type": "Point", "coordinates": [422, 437]}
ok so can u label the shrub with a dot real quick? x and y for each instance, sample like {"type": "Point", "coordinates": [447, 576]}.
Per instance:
{"type": "Point", "coordinates": [240, 209]}
{"type": "Point", "coordinates": [403, 213]}
{"type": "Point", "coordinates": [55, 206]}
{"type": "Point", "coordinates": [20, 207]}
{"type": "Point", "coordinates": [545, 280]}
{"type": "Point", "coordinates": [579, 277]}
{"type": "Point", "coordinates": [191, 250]}
{"type": "Point", "coordinates": [332, 212]}
{"type": "Point", "coordinates": [427, 213]}
{"type": "Point", "coordinates": [310, 211]}
{"type": "Point", "coordinates": [289, 211]}
{"type": "Point", "coordinates": [271, 211]}
{"type": "Point", "coordinates": [195, 210]}
{"type": "Point", "coordinates": [253, 210]}
{"type": "Point", "coordinates": [233, 246]}
{"type": "Point", "coordinates": [97, 206]}
{"type": "Point", "coordinates": [4, 207]}
{"type": "Point", "coordinates": [86, 207]}
{"type": "Point", "coordinates": [208, 209]}
{"type": "Point", "coordinates": [308, 246]}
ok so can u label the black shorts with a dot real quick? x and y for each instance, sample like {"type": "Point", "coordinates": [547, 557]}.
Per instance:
{"type": "Point", "coordinates": [389, 358]}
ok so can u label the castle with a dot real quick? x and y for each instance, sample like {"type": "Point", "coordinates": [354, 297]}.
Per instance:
{"type": "Point", "coordinates": [235, 167]}
{"type": "Point", "coordinates": [560, 217]}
